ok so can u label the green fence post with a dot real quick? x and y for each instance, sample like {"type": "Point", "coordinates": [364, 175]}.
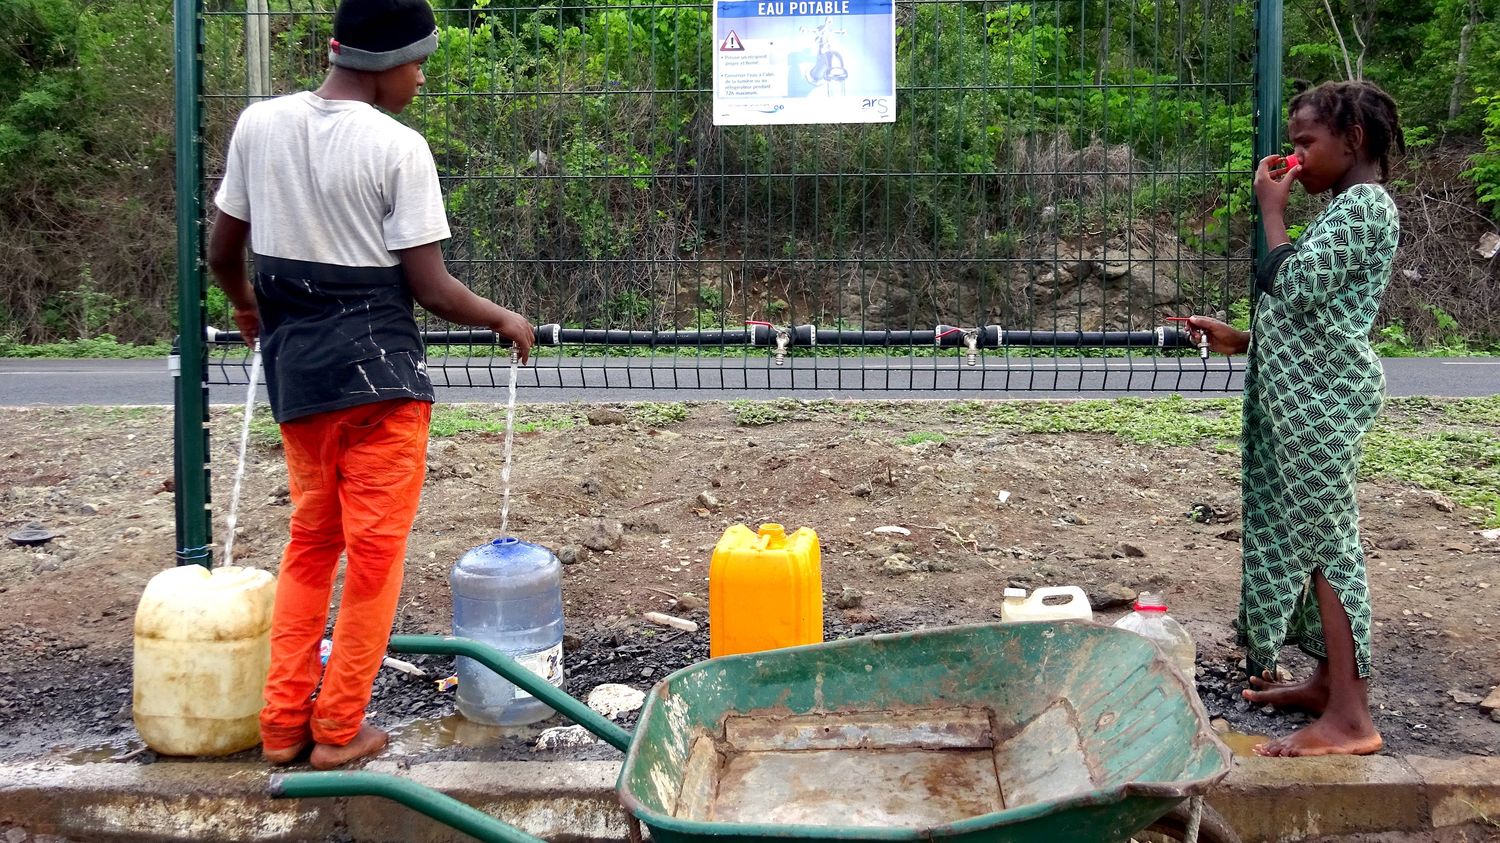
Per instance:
{"type": "Point", "coordinates": [190, 430]}
{"type": "Point", "coordinates": [1268, 128]}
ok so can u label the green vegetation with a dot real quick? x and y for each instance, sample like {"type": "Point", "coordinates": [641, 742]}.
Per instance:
{"type": "Point", "coordinates": [659, 414]}
{"type": "Point", "coordinates": [101, 347]}
{"type": "Point", "coordinates": [610, 199]}
{"type": "Point", "coordinates": [748, 413]}
{"type": "Point", "coordinates": [922, 436]}
{"type": "Point", "coordinates": [1167, 421]}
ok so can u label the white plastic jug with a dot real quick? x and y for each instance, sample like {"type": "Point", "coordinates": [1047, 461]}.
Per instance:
{"type": "Point", "coordinates": [1019, 608]}
{"type": "Point", "coordinates": [202, 651]}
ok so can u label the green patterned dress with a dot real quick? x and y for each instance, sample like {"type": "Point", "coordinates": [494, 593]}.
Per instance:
{"type": "Point", "coordinates": [1312, 390]}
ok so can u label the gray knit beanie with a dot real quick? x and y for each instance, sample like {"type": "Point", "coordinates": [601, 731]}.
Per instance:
{"type": "Point", "coordinates": [382, 34]}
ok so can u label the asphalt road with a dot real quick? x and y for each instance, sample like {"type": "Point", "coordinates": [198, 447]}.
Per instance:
{"type": "Point", "coordinates": [147, 382]}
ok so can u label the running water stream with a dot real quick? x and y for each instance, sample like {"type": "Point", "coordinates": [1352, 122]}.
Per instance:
{"type": "Point", "coordinates": [239, 470]}
{"type": "Point", "coordinates": [510, 435]}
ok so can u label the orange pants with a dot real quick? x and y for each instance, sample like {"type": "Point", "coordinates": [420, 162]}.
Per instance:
{"type": "Point", "coordinates": [356, 479]}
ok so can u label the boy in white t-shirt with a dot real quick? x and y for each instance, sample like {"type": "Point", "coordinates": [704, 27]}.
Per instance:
{"type": "Point", "coordinates": [342, 208]}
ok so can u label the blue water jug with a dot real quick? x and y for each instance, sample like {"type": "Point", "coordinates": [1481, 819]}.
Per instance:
{"type": "Point", "coordinates": [508, 594]}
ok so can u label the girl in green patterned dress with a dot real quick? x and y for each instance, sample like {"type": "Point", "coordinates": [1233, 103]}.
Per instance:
{"type": "Point", "coordinates": [1313, 387]}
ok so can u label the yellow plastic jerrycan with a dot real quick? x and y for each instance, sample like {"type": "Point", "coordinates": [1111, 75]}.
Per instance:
{"type": "Point", "coordinates": [765, 590]}
{"type": "Point", "coordinates": [202, 651]}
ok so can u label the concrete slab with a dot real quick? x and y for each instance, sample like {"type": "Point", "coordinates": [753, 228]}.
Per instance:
{"type": "Point", "coordinates": [1461, 790]}
{"type": "Point", "coordinates": [1287, 799]}
{"type": "Point", "coordinates": [1265, 799]}
{"type": "Point", "coordinates": [560, 802]}
{"type": "Point", "coordinates": [162, 801]}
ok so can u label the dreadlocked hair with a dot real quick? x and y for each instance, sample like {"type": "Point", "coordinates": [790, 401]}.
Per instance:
{"type": "Point", "coordinates": [1343, 105]}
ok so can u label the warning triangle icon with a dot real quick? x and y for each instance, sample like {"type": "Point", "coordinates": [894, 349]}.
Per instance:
{"type": "Point", "coordinates": [732, 43]}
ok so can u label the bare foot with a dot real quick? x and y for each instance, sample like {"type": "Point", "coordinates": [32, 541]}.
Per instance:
{"type": "Point", "coordinates": [1325, 737]}
{"type": "Point", "coordinates": [370, 740]}
{"type": "Point", "coordinates": [1308, 695]}
{"type": "Point", "coordinates": [283, 757]}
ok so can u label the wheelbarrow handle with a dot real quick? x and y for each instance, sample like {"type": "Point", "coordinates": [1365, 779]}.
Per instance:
{"type": "Point", "coordinates": [556, 699]}
{"type": "Point", "coordinates": [441, 807]}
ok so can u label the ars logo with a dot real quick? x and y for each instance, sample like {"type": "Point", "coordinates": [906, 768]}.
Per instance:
{"type": "Point", "coordinates": [879, 105]}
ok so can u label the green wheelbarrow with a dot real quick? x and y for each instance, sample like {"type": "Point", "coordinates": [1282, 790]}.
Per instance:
{"type": "Point", "coordinates": [1019, 732]}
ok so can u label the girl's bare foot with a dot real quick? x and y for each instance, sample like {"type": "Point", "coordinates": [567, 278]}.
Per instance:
{"type": "Point", "coordinates": [370, 740]}
{"type": "Point", "coordinates": [1325, 737]}
{"type": "Point", "coordinates": [283, 757]}
{"type": "Point", "coordinates": [1311, 694]}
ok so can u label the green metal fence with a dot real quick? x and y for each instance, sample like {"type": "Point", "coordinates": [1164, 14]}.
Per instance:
{"type": "Point", "coordinates": [1060, 177]}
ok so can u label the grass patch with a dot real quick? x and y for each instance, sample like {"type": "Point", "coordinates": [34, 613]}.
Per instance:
{"type": "Point", "coordinates": [1463, 464]}
{"type": "Point", "coordinates": [449, 420]}
{"type": "Point", "coordinates": [1166, 421]}
{"type": "Point", "coordinates": [921, 436]}
{"type": "Point", "coordinates": [104, 346]}
{"type": "Point", "coordinates": [659, 414]}
{"type": "Point", "coordinates": [747, 413]}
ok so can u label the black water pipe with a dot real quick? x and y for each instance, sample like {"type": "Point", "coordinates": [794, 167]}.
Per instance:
{"type": "Point", "coordinates": [765, 335]}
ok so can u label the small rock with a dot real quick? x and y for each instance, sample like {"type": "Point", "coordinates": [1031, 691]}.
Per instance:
{"type": "Point", "coordinates": [849, 598]}
{"type": "Point", "coordinates": [1111, 596]}
{"type": "Point", "coordinates": [863, 490]}
{"type": "Point", "coordinates": [1395, 543]}
{"type": "Point", "coordinates": [1219, 725]}
{"type": "Point", "coordinates": [572, 643]}
{"type": "Point", "coordinates": [1242, 705]}
{"type": "Point", "coordinates": [565, 737]}
{"type": "Point", "coordinates": [572, 554]}
{"type": "Point", "coordinates": [1268, 709]}
{"type": "Point", "coordinates": [860, 616]}
{"type": "Point", "coordinates": [1230, 535]}
{"type": "Point", "coordinates": [86, 509]}
{"type": "Point", "coordinates": [614, 700]}
{"type": "Point", "coordinates": [1465, 698]}
{"type": "Point", "coordinates": [1129, 551]}
{"type": "Point", "coordinates": [708, 501]}
{"type": "Point", "coordinates": [647, 672]}
{"type": "Point", "coordinates": [1441, 502]}
{"type": "Point", "coordinates": [1491, 703]}
{"type": "Point", "coordinates": [897, 564]}
{"type": "Point", "coordinates": [690, 603]}
{"type": "Point", "coordinates": [606, 415]}
{"type": "Point", "coordinates": [891, 530]}
{"type": "Point", "coordinates": [605, 534]}
{"type": "Point", "coordinates": [645, 524]}
{"type": "Point", "coordinates": [46, 565]}
{"type": "Point", "coordinates": [1071, 518]}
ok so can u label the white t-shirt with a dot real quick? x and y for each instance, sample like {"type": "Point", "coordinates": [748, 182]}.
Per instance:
{"type": "Point", "coordinates": [331, 181]}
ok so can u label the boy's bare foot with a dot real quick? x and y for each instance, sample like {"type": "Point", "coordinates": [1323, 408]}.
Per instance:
{"type": "Point", "coordinates": [1325, 737]}
{"type": "Point", "coordinates": [283, 757]}
{"type": "Point", "coordinates": [370, 740]}
{"type": "Point", "coordinates": [1310, 694]}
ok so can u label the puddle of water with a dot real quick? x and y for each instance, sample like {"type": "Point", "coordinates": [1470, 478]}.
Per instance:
{"type": "Point", "coordinates": [103, 752]}
{"type": "Point", "coordinates": [1242, 744]}
{"type": "Point", "coordinates": [453, 730]}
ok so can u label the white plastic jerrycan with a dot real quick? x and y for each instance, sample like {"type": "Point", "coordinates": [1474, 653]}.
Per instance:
{"type": "Point", "coordinates": [202, 651]}
{"type": "Point", "coordinates": [1054, 603]}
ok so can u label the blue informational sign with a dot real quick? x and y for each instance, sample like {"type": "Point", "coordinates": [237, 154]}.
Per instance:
{"type": "Point", "coordinates": [804, 61]}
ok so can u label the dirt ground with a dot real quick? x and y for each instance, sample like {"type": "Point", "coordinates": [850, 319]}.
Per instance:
{"type": "Point", "coordinates": [1083, 508]}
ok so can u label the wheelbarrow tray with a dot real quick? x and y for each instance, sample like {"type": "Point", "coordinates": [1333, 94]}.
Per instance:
{"type": "Point", "coordinates": [1015, 732]}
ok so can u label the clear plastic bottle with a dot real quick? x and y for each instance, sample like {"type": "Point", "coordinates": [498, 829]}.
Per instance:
{"type": "Point", "coordinates": [1150, 620]}
{"type": "Point", "coordinates": [508, 594]}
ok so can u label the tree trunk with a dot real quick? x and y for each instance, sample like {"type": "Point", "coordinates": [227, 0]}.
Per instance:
{"type": "Point", "coordinates": [1460, 72]}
